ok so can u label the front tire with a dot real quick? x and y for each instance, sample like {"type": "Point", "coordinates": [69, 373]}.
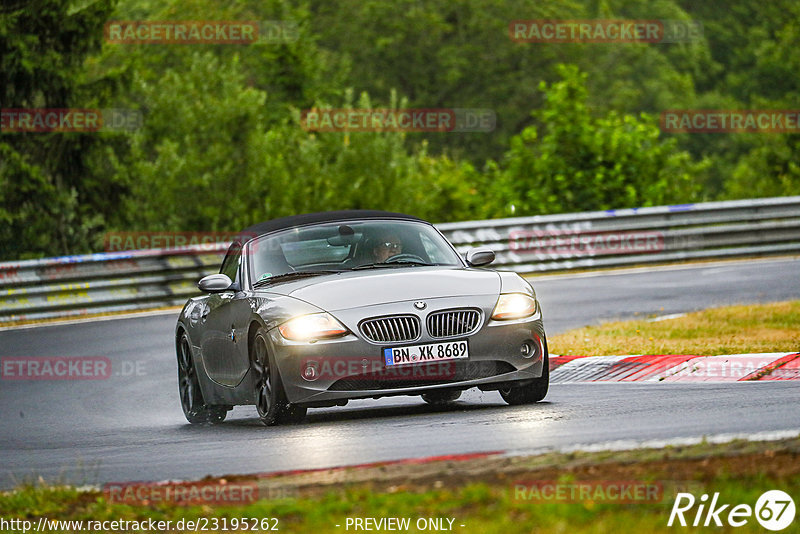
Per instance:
{"type": "Point", "coordinates": [532, 392]}
{"type": "Point", "coordinates": [194, 407]}
{"type": "Point", "coordinates": [271, 403]}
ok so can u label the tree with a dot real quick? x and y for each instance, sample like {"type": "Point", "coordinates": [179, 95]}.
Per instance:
{"type": "Point", "coordinates": [208, 158]}
{"type": "Point", "coordinates": [770, 169]}
{"type": "Point", "coordinates": [581, 162]}
{"type": "Point", "coordinates": [49, 203]}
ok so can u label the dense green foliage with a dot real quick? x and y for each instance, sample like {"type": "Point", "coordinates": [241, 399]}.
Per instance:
{"type": "Point", "coordinates": [583, 162]}
{"type": "Point", "coordinates": [222, 145]}
{"type": "Point", "coordinates": [51, 198]}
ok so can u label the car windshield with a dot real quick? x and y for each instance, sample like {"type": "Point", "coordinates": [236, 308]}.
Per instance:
{"type": "Point", "coordinates": [348, 245]}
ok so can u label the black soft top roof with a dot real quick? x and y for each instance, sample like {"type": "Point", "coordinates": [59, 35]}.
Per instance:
{"type": "Point", "coordinates": [284, 223]}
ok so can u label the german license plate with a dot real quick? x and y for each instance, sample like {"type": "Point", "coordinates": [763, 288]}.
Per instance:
{"type": "Point", "coordinates": [434, 352]}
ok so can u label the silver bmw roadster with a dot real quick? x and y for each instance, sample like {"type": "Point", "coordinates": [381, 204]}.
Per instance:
{"type": "Point", "coordinates": [313, 310]}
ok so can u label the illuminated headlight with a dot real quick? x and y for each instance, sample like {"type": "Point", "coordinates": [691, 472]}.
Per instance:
{"type": "Point", "coordinates": [312, 327]}
{"type": "Point", "coordinates": [514, 306]}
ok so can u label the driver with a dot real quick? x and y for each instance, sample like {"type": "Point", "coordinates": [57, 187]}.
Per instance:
{"type": "Point", "coordinates": [386, 246]}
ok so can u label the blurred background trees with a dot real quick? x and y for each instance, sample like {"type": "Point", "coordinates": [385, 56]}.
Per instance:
{"type": "Point", "coordinates": [221, 145]}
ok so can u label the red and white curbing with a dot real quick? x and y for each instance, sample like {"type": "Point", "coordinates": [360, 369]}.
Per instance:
{"type": "Point", "coordinates": [676, 368]}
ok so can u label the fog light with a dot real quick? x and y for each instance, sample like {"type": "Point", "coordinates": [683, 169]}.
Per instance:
{"type": "Point", "coordinates": [526, 350]}
{"type": "Point", "coordinates": [310, 372]}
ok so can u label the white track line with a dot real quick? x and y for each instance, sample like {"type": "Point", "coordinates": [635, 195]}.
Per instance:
{"type": "Point", "coordinates": [629, 444]}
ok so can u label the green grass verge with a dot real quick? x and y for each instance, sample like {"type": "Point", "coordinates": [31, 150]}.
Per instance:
{"type": "Point", "coordinates": [729, 330]}
{"type": "Point", "coordinates": [739, 471]}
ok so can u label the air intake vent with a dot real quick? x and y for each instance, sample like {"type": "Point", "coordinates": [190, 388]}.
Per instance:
{"type": "Point", "coordinates": [439, 373]}
{"type": "Point", "coordinates": [391, 329]}
{"type": "Point", "coordinates": [451, 323]}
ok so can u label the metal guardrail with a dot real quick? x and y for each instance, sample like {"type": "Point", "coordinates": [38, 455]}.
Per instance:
{"type": "Point", "coordinates": [100, 283]}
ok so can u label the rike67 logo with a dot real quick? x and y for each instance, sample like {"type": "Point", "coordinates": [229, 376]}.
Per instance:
{"type": "Point", "coordinates": [774, 510]}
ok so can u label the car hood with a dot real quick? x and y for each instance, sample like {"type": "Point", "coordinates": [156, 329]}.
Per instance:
{"type": "Point", "coordinates": [367, 288]}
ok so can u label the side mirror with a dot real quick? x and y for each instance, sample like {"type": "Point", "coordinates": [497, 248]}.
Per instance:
{"type": "Point", "coordinates": [215, 283]}
{"type": "Point", "coordinates": [479, 256]}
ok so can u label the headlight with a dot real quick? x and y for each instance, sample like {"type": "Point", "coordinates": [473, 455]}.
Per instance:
{"type": "Point", "coordinates": [514, 306]}
{"type": "Point", "coordinates": [312, 327]}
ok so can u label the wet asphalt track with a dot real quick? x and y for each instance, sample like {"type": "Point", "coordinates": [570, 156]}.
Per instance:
{"type": "Point", "coordinates": [130, 427]}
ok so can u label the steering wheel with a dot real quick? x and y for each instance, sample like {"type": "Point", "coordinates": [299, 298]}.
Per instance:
{"type": "Point", "coordinates": [404, 257]}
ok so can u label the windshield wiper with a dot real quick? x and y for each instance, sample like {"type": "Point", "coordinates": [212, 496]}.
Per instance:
{"type": "Point", "coordinates": [285, 277]}
{"type": "Point", "coordinates": [404, 263]}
